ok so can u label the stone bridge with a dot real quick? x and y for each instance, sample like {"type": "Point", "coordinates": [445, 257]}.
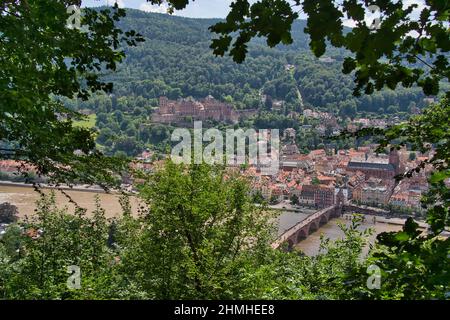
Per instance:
{"type": "Point", "coordinates": [312, 223]}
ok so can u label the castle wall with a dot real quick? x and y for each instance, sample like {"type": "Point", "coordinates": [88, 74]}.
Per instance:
{"type": "Point", "coordinates": [170, 111]}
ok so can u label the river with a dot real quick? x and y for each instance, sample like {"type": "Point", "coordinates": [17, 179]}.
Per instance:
{"type": "Point", "coordinates": [25, 199]}
{"type": "Point", "coordinates": [310, 246]}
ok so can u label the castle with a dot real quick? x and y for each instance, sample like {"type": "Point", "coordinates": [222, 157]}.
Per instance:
{"type": "Point", "coordinates": [181, 110]}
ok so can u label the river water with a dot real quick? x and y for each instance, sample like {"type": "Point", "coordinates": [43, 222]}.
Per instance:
{"type": "Point", "coordinates": [25, 199]}
{"type": "Point", "coordinates": [310, 246]}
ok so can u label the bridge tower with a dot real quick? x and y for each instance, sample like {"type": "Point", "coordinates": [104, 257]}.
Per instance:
{"type": "Point", "coordinates": [340, 202]}
{"type": "Point", "coordinates": [394, 159]}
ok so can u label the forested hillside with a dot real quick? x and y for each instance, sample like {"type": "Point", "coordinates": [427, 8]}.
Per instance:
{"type": "Point", "coordinates": [176, 61]}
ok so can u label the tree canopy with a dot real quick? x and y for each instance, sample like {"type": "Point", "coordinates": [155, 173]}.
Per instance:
{"type": "Point", "coordinates": [41, 60]}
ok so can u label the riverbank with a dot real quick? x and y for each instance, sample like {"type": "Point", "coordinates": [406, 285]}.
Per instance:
{"type": "Point", "coordinates": [82, 188]}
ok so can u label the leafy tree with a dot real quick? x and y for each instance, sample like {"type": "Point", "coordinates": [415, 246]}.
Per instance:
{"type": "Point", "coordinates": [12, 240]}
{"type": "Point", "coordinates": [104, 136]}
{"type": "Point", "coordinates": [127, 145]}
{"type": "Point", "coordinates": [118, 116]}
{"type": "Point", "coordinates": [412, 266]}
{"type": "Point", "coordinates": [315, 181]}
{"type": "Point", "coordinates": [216, 245]}
{"type": "Point", "coordinates": [200, 229]}
{"type": "Point", "coordinates": [258, 197]}
{"type": "Point", "coordinates": [274, 199]}
{"type": "Point", "coordinates": [294, 199]}
{"type": "Point", "coordinates": [158, 133]}
{"type": "Point", "coordinates": [385, 57]}
{"type": "Point", "coordinates": [54, 240]}
{"type": "Point", "coordinates": [268, 103]}
{"type": "Point", "coordinates": [8, 213]}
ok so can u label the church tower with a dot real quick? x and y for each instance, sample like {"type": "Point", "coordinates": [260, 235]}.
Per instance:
{"type": "Point", "coordinates": [394, 159]}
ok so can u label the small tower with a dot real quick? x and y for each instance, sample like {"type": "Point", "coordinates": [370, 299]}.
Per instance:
{"type": "Point", "coordinates": [394, 159]}
{"type": "Point", "coordinates": [340, 197]}
{"type": "Point", "coordinates": [163, 105]}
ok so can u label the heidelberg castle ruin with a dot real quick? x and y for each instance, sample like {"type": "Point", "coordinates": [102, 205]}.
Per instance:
{"type": "Point", "coordinates": [183, 110]}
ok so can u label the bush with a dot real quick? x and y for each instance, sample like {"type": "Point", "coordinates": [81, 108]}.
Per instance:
{"type": "Point", "coordinates": [8, 213]}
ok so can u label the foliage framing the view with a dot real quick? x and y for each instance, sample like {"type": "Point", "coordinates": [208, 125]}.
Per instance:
{"type": "Point", "coordinates": [198, 236]}
{"type": "Point", "coordinates": [32, 264]}
{"type": "Point", "coordinates": [41, 59]}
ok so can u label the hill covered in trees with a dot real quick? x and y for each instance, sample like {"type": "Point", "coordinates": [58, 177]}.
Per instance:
{"type": "Point", "coordinates": [176, 61]}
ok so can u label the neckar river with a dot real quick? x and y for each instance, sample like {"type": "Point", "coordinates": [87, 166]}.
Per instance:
{"type": "Point", "coordinates": [25, 199]}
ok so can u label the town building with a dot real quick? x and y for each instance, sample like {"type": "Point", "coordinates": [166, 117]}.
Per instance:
{"type": "Point", "coordinates": [319, 196]}
{"type": "Point", "coordinates": [374, 191]}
